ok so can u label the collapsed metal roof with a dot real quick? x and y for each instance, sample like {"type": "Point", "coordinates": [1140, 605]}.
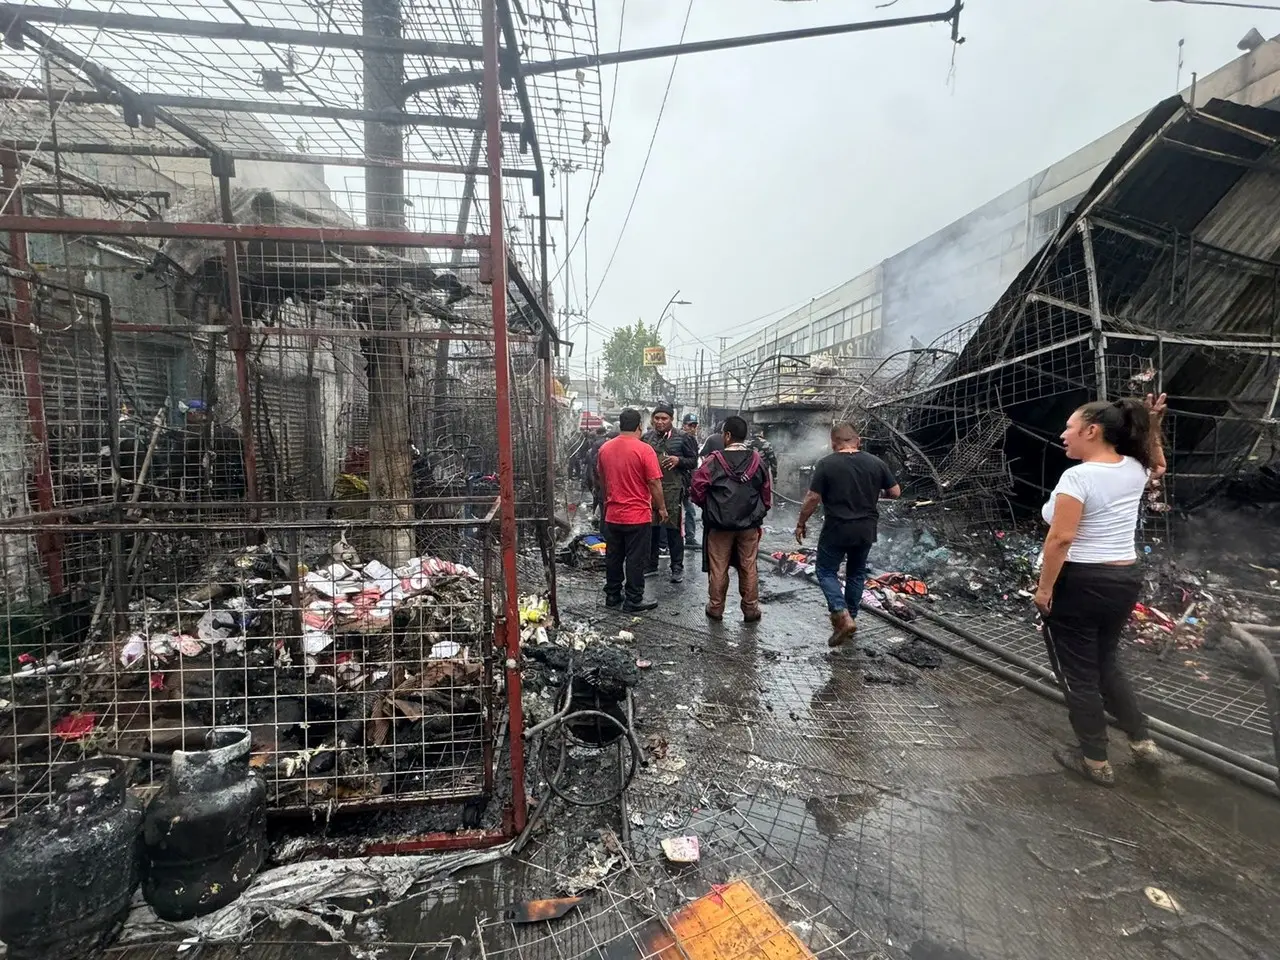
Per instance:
{"type": "Point", "coordinates": [1166, 277]}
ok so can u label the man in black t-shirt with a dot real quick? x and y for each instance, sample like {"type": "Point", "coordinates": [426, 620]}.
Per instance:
{"type": "Point", "coordinates": [848, 483]}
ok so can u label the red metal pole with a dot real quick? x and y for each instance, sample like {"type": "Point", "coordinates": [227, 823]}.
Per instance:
{"type": "Point", "coordinates": [509, 628]}
{"type": "Point", "coordinates": [48, 543]}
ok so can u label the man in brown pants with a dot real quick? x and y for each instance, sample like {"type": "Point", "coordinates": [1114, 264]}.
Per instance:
{"type": "Point", "coordinates": [735, 491]}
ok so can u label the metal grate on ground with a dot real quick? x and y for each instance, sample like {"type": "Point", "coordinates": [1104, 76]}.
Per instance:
{"type": "Point", "coordinates": [1224, 695]}
{"type": "Point", "coordinates": [624, 916]}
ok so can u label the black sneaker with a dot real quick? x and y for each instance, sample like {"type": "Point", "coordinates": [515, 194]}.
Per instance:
{"type": "Point", "coordinates": [613, 601]}
{"type": "Point", "coordinates": [677, 575]}
{"type": "Point", "coordinates": [643, 605]}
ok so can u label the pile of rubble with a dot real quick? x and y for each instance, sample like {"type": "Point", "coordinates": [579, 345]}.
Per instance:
{"type": "Point", "coordinates": [346, 671]}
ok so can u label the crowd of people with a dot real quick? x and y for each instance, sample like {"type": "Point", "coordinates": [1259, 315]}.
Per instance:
{"type": "Point", "coordinates": [655, 486]}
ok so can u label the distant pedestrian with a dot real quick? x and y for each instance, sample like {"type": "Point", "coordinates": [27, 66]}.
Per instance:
{"type": "Point", "coordinates": [690, 427]}
{"type": "Point", "coordinates": [714, 442]}
{"type": "Point", "coordinates": [760, 445]}
{"type": "Point", "coordinates": [1090, 581]}
{"type": "Point", "coordinates": [631, 484]}
{"type": "Point", "coordinates": [591, 472]}
{"type": "Point", "coordinates": [735, 491]}
{"type": "Point", "coordinates": [678, 455]}
{"type": "Point", "coordinates": [849, 484]}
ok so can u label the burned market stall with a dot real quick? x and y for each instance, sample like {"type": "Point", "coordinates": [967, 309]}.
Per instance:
{"type": "Point", "coordinates": [203, 562]}
{"type": "Point", "coordinates": [1165, 278]}
{"type": "Point", "coordinates": [273, 457]}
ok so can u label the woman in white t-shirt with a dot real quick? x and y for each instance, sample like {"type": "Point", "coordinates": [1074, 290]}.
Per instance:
{"type": "Point", "coordinates": [1090, 580]}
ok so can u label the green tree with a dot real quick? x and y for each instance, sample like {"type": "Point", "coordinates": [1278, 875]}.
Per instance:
{"type": "Point", "coordinates": [626, 376]}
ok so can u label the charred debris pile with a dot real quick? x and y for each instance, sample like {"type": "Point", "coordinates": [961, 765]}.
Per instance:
{"type": "Point", "coordinates": [355, 679]}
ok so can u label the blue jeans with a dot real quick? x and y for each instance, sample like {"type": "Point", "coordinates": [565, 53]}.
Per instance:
{"type": "Point", "coordinates": [690, 521]}
{"type": "Point", "coordinates": [828, 569]}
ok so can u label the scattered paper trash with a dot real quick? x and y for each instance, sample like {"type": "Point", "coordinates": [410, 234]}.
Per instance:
{"type": "Point", "coordinates": [1162, 900]}
{"type": "Point", "coordinates": [681, 849]}
{"type": "Point", "coordinates": [445, 650]}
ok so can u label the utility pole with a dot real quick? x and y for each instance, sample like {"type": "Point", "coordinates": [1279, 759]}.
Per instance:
{"type": "Point", "coordinates": [697, 390]}
{"type": "Point", "coordinates": [533, 243]}
{"type": "Point", "coordinates": [386, 359]}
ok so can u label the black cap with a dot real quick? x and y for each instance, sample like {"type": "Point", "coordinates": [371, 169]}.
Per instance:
{"type": "Point", "coordinates": [666, 408]}
{"type": "Point", "coordinates": [690, 418]}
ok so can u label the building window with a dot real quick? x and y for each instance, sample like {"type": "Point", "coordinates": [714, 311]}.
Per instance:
{"type": "Point", "coordinates": [1049, 222]}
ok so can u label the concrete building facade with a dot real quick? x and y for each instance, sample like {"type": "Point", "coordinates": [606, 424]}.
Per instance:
{"type": "Point", "coordinates": [957, 273]}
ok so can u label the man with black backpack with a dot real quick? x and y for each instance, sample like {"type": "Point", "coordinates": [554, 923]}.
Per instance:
{"type": "Point", "coordinates": [735, 490]}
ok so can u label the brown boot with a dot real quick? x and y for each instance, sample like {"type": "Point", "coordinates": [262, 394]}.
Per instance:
{"type": "Point", "coordinates": [842, 627]}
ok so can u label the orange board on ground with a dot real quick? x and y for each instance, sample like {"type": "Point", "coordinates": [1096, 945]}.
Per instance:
{"type": "Point", "coordinates": [732, 922]}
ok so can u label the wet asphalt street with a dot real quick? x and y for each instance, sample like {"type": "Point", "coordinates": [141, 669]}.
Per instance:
{"type": "Point", "coordinates": [920, 817]}
{"type": "Point", "coordinates": [929, 814]}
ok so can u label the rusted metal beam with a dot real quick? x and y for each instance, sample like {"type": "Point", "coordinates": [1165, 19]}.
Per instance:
{"type": "Point", "coordinates": [12, 13]}
{"type": "Point", "coordinates": [161, 230]}
{"type": "Point", "coordinates": [265, 156]}
{"type": "Point", "coordinates": [48, 542]}
{"type": "Point", "coordinates": [227, 105]}
{"type": "Point", "coordinates": [509, 636]}
{"type": "Point", "coordinates": [464, 78]}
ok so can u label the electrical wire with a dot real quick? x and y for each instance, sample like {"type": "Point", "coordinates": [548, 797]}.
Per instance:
{"type": "Point", "coordinates": [1223, 3]}
{"type": "Point", "coordinates": [595, 182]}
{"type": "Point", "coordinates": [645, 166]}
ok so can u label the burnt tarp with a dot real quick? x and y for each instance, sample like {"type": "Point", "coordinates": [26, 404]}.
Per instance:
{"type": "Point", "coordinates": [1166, 277]}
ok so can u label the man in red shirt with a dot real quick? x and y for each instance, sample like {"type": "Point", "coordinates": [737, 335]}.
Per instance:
{"type": "Point", "coordinates": [631, 481]}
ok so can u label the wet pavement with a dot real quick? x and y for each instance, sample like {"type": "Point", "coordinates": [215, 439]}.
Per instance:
{"type": "Point", "coordinates": [921, 818]}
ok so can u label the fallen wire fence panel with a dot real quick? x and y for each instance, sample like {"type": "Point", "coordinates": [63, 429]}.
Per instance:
{"type": "Point", "coordinates": [1214, 694]}
{"type": "Point", "coordinates": [741, 898]}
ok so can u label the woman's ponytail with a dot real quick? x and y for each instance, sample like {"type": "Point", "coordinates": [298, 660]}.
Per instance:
{"type": "Point", "coordinates": [1126, 425]}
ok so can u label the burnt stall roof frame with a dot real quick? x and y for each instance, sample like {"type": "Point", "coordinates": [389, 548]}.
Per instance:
{"type": "Point", "coordinates": [258, 39]}
{"type": "Point", "coordinates": [1150, 297]}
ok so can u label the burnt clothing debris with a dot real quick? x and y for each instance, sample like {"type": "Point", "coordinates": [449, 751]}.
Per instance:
{"type": "Point", "coordinates": [586, 551]}
{"type": "Point", "coordinates": [917, 653]}
{"type": "Point", "coordinates": [602, 667]}
{"type": "Point", "coordinates": [337, 668]}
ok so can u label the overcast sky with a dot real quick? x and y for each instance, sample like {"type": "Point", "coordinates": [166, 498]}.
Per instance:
{"type": "Point", "coordinates": [780, 171]}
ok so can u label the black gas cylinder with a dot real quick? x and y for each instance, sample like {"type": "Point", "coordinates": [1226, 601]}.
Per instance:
{"type": "Point", "coordinates": [69, 870]}
{"type": "Point", "coordinates": [205, 834]}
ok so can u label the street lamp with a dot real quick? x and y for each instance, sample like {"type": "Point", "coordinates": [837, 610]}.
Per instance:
{"type": "Point", "coordinates": [670, 303]}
